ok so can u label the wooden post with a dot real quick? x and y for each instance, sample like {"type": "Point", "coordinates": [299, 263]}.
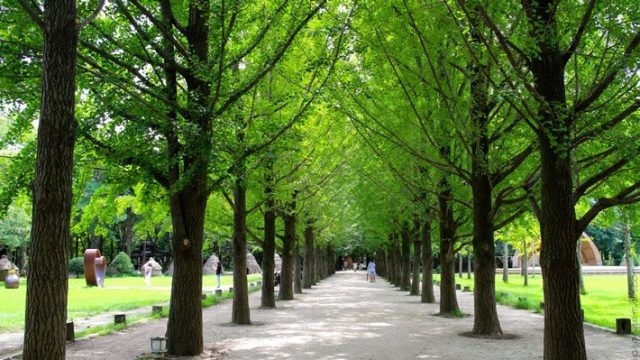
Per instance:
{"type": "Point", "coordinates": [623, 326]}
{"type": "Point", "coordinates": [71, 335]}
{"type": "Point", "coordinates": [230, 290]}
{"type": "Point", "coordinates": [218, 292]}
{"type": "Point", "coordinates": [466, 289]}
{"type": "Point", "coordinates": [458, 287]}
{"type": "Point", "coordinates": [156, 309]}
{"type": "Point", "coordinates": [119, 319]}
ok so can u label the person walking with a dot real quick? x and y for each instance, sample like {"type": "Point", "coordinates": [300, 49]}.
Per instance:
{"type": "Point", "coordinates": [148, 270]}
{"type": "Point", "coordinates": [371, 271]}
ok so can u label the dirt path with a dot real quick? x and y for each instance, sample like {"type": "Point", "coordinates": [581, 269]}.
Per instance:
{"type": "Point", "coordinates": [345, 317]}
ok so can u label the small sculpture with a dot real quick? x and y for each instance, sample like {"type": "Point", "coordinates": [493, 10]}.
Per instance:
{"type": "Point", "coordinates": [94, 267]}
{"type": "Point", "coordinates": [12, 281]}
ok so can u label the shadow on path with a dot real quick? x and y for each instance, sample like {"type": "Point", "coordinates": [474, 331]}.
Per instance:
{"type": "Point", "coordinates": [346, 317]}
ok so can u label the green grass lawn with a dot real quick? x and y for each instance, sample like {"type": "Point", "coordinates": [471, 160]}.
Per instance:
{"type": "Point", "coordinates": [118, 294]}
{"type": "Point", "coordinates": [606, 297]}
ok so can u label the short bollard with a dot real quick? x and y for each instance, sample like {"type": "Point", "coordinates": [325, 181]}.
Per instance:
{"type": "Point", "coordinates": [71, 335]}
{"type": "Point", "coordinates": [541, 305]}
{"type": "Point", "coordinates": [204, 296]}
{"type": "Point", "coordinates": [466, 289]}
{"type": "Point", "coordinates": [218, 292]}
{"type": "Point", "coordinates": [119, 319]}
{"type": "Point", "coordinates": [458, 287]}
{"type": "Point", "coordinates": [259, 283]}
{"type": "Point", "coordinates": [230, 290]}
{"type": "Point", "coordinates": [623, 326]}
{"type": "Point", "coordinates": [156, 309]}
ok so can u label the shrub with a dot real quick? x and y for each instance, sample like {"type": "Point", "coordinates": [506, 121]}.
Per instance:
{"type": "Point", "coordinates": [523, 303]}
{"type": "Point", "coordinates": [122, 263]}
{"type": "Point", "coordinates": [76, 266]}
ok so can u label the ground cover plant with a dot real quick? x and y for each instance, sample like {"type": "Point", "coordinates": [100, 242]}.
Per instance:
{"type": "Point", "coordinates": [119, 294]}
{"type": "Point", "coordinates": [605, 300]}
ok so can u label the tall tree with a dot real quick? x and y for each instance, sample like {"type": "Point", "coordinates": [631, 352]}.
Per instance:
{"type": "Point", "coordinates": [171, 103]}
{"type": "Point", "coordinates": [46, 309]}
{"type": "Point", "coordinates": [571, 68]}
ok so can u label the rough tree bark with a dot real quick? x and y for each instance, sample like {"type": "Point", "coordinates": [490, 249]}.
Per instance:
{"type": "Point", "coordinates": [415, 274]}
{"type": "Point", "coordinates": [485, 320]}
{"type": "Point", "coordinates": [448, 300]}
{"type": "Point", "coordinates": [628, 259]}
{"type": "Point", "coordinates": [288, 253]}
{"type": "Point", "coordinates": [308, 256]}
{"type": "Point", "coordinates": [505, 262]}
{"type": "Point", "coordinates": [240, 313]}
{"type": "Point", "coordinates": [46, 308]}
{"type": "Point", "coordinates": [269, 247]}
{"type": "Point", "coordinates": [184, 327]}
{"type": "Point", "coordinates": [297, 269]}
{"type": "Point", "coordinates": [405, 235]}
{"type": "Point", "coordinates": [428, 295]}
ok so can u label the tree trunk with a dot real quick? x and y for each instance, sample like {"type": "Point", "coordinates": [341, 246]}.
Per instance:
{"type": "Point", "coordinates": [631, 290]}
{"type": "Point", "coordinates": [313, 271]}
{"type": "Point", "coordinates": [269, 246]}
{"type": "Point", "coordinates": [448, 300]}
{"type": "Point", "coordinates": [297, 269]}
{"type": "Point", "coordinates": [128, 231]}
{"type": "Point", "coordinates": [525, 263]}
{"type": "Point", "coordinates": [240, 313]}
{"type": "Point", "coordinates": [188, 182]}
{"type": "Point", "coordinates": [427, 264]}
{"type": "Point", "coordinates": [46, 304]}
{"type": "Point", "coordinates": [563, 330]}
{"type": "Point", "coordinates": [505, 262]}
{"type": "Point", "coordinates": [460, 266]}
{"type": "Point", "coordinates": [308, 255]}
{"type": "Point", "coordinates": [381, 263]}
{"type": "Point", "coordinates": [288, 261]}
{"type": "Point", "coordinates": [184, 327]}
{"type": "Point", "coordinates": [415, 275]}
{"type": "Point", "coordinates": [405, 283]}
{"type": "Point", "coordinates": [397, 266]}
{"type": "Point", "coordinates": [583, 290]}
{"type": "Point", "coordinates": [485, 320]}
{"type": "Point", "coordinates": [469, 265]}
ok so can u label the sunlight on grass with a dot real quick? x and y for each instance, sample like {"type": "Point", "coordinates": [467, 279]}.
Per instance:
{"type": "Point", "coordinates": [606, 297]}
{"type": "Point", "coordinates": [119, 294]}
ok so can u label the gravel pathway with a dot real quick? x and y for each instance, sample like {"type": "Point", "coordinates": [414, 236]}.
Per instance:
{"type": "Point", "coordinates": [346, 317]}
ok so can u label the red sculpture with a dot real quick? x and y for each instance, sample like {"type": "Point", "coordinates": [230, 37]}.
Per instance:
{"type": "Point", "coordinates": [94, 267]}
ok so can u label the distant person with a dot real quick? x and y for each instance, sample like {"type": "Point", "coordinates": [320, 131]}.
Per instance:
{"type": "Point", "coordinates": [218, 272]}
{"type": "Point", "coordinates": [371, 271]}
{"type": "Point", "coordinates": [148, 270]}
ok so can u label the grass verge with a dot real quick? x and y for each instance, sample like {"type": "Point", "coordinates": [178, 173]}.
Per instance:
{"type": "Point", "coordinates": [118, 294]}
{"type": "Point", "coordinates": [208, 301]}
{"type": "Point", "coordinates": [605, 300]}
